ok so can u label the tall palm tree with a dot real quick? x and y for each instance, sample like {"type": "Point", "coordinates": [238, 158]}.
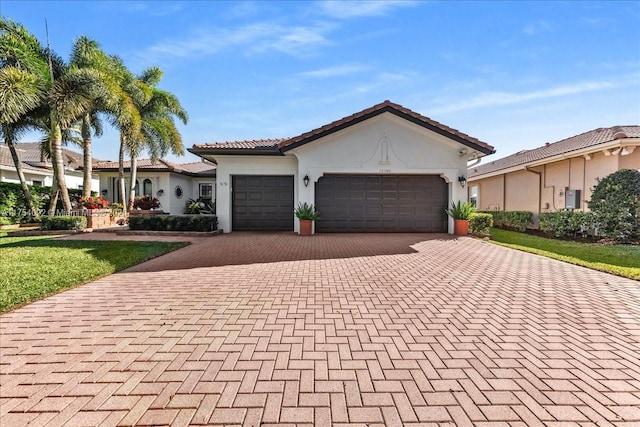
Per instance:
{"type": "Point", "coordinates": [113, 101]}
{"type": "Point", "coordinates": [158, 134]}
{"type": "Point", "coordinates": [20, 93]}
{"type": "Point", "coordinates": [69, 90]}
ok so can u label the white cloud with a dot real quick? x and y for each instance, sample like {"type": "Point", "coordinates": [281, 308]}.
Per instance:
{"type": "Point", "coordinates": [254, 38]}
{"type": "Point", "coordinates": [338, 70]}
{"type": "Point", "coordinates": [353, 9]}
{"type": "Point", "coordinates": [537, 28]}
{"type": "Point", "coordinates": [491, 99]}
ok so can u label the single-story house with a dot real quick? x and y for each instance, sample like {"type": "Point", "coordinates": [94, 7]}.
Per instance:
{"type": "Point", "coordinates": [171, 183]}
{"type": "Point", "coordinates": [383, 169]}
{"type": "Point", "coordinates": [556, 176]}
{"type": "Point", "coordinates": [37, 167]}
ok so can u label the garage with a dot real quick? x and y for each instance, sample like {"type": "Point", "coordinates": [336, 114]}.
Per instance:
{"type": "Point", "coordinates": [381, 203]}
{"type": "Point", "coordinates": [262, 202]}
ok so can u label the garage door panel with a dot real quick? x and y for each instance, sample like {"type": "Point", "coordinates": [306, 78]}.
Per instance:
{"type": "Point", "coordinates": [262, 203]}
{"type": "Point", "coordinates": [381, 203]}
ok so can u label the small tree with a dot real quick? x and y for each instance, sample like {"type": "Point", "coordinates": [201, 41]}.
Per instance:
{"type": "Point", "coordinates": [615, 203]}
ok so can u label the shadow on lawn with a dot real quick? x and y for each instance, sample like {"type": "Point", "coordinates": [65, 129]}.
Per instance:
{"type": "Point", "coordinates": [242, 248]}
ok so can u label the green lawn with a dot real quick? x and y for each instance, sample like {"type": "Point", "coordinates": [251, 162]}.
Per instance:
{"type": "Point", "coordinates": [32, 268]}
{"type": "Point", "coordinates": [622, 260]}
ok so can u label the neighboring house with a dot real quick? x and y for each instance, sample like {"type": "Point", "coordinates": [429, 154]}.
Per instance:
{"type": "Point", "coordinates": [37, 167]}
{"type": "Point", "coordinates": [172, 183]}
{"type": "Point", "coordinates": [555, 176]}
{"type": "Point", "coordinates": [385, 168]}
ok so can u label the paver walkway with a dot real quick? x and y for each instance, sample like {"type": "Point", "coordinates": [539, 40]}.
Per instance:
{"type": "Point", "coordinates": [361, 330]}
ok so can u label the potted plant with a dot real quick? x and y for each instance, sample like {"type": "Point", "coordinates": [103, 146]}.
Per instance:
{"type": "Point", "coordinates": [306, 213]}
{"type": "Point", "coordinates": [461, 212]}
{"type": "Point", "coordinates": [146, 203]}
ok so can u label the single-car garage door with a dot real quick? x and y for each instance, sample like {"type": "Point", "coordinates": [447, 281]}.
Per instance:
{"type": "Point", "coordinates": [262, 203]}
{"type": "Point", "coordinates": [381, 203]}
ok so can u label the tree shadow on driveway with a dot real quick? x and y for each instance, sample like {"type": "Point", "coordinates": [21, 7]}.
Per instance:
{"type": "Point", "coordinates": [241, 248]}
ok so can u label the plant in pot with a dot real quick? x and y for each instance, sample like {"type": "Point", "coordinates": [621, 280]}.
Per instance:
{"type": "Point", "coordinates": [461, 212]}
{"type": "Point", "coordinates": [306, 213]}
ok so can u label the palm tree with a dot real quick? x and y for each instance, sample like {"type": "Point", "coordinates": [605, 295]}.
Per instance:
{"type": "Point", "coordinates": [158, 133]}
{"type": "Point", "coordinates": [69, 90]}
{"type": "Point", "coordinates": [20, 93]}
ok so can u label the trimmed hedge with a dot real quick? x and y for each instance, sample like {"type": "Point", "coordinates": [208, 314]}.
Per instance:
{"type": "Point", "coordinates": [63, 222]}
{"type": "Point", "coordinates": [13, 206]}
{"type": "Point", "coordinates": [480, 223]}
{"type": "Point", "coordinates": [511, 220]}
{"type": "Point", "coordinates": [566, 223]}
{"type": "Point", "coordinates": [174, 223]}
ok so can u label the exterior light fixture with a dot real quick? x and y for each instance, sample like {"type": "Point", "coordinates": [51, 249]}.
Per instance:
{"type": "Point", "coordinates": [306, 180]}
{"type": "Point", "coordinates": [462, 180]}
{"type": "Point", "coordinates": [160, 192]}
{"type": "Point", "coordinates": [104, 192]}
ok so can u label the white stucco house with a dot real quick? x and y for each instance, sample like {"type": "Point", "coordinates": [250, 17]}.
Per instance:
{"type": "Point", "coordinates": [172, 183]}
{"type": "Point", "coordinates": [383, 169]}
{"type": "Point", "coordinates": [37, 167]}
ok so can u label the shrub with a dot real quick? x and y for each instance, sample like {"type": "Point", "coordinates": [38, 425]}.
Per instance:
{"type": "Point", "coordinates": [63, 222]}
{"type": "Point", "coordinates": [511, 220]}
{"type": "Point", "coordinates": [146, 203]}
{"type": "Point", "coordinates": [196, 207]}
{"type": "Point", "coordinates": [13, 205]}
{"type": "Point", "coordinates": [174, 223]}
{"type": "Point", "coordinates": [480, 223]}
{"type": "Point", "coordinates": [615, 204]}
{"type": "Point", "coordinates": [566, 223]}
{"type": "Point", "coordinates": [93, 203]}
{"type": "Point", "coordinates": [306, 211]}
{"type": "Point", "coordinates": [460, 210]}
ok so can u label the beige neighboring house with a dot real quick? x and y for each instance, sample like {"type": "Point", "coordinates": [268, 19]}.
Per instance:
{"type": "Point", "coordinates": [171, 183]}
{"type": "Point", "coordinates": [37, 167]}
{"type": "Point", "coordinates": [556, 176]}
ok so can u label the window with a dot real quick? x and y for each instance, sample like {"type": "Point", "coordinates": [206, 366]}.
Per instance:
{"type": "Point", "coordinates": [206, 191]}
{"type": "Point", "coordinates": [147, 187]}
{"type": "Point", "coordinates": [473, 195]}
{"type": "Point", "coordinates": [34, 182]}
{"type": "Point", "coordinates": [179, 192]}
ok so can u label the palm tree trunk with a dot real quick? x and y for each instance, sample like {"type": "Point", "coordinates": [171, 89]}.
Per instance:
{"type": "Point", "coordinates": [88, 163]}
{"type": "Point", "coordinates": [134, 177]}
{"type": "Point", "coordinates": [26, 193]}
{"type": "Point", "coordinates": [58, 164]}
{"type": "Point", "coordinates": [121, 185]}
{"type": "Point", "coordinates": [54, 196]}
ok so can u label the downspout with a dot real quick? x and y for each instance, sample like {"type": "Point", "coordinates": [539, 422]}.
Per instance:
{"type": "Point", "coordinates": [539, 187]}
{"type": "Point", "coordinates": [504, 192]}
{"type": "Point", "coordinates": [584, 181]}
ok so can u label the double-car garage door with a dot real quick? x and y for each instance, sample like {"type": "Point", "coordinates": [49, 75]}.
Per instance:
{"type": "Point", "coordinates": [347, 203]}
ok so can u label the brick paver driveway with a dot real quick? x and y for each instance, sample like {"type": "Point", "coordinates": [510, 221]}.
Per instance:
{"type": "Point", "coordinates": [259, 329]}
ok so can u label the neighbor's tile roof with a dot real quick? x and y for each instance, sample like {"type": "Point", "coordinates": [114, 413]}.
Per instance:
{"type": "Point", "coordinates": [285, 144]}
{"type": "Point", "coordinates": [585, 140]}
{"type": "Point", "coordinates": [193, 168]}
{"type": "Point", "coordinates": [32, 157]}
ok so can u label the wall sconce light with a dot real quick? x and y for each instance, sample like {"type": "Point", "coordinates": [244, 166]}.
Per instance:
{"type": "Point", "coordinates": [104, 192]}
{"type": "Point", "coordinates": [462, 180]}
{"type": "Point", "coordinates": [159, 192]}
{"type": "Point", "coordinates": [306, 180]}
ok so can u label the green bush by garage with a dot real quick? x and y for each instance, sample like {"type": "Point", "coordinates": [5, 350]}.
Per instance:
{"type": "Point", "coordinates": [174, 223]}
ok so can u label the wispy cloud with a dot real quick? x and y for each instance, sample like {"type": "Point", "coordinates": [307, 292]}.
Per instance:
{"type": "Point", "coordinates": [254, 38]}
{"type": "Point", "coordinates": [537, 28]}
{"type": "Point", "coordinates": [338, 70]}
{"type": "Point", "coordinates": [492, 99]}
{"type": "Point", "coordinates": [353, 9]}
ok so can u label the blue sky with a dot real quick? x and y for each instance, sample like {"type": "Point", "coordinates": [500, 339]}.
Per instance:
{"type": "Point", "coordinates": [512, 74]}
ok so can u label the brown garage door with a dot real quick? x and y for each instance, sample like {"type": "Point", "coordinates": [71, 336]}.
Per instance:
{"type": "Point", "coordinates": [381, 203]}
{"type": "Point", "coordinates": [262, 203]}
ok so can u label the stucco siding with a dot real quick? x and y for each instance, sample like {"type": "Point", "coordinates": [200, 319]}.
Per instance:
{"type": "Point", "coordinates": [631, 161]}
{"type": "Point", "coordinates": [521, 191]}
{"type": "Point", "coordinates": [597, 168]}
{"type": "Point", "coordinates": [490, 193]}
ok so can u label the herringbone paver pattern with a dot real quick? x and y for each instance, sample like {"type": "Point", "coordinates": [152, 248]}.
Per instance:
{"type": "Point", "coordinates": [394, 330]}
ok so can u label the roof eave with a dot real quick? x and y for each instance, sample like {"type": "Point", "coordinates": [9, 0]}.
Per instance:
{"type": "Point", "coordinates": [234, 151]}
{"type": "Point", "coordinates": [558, 157]}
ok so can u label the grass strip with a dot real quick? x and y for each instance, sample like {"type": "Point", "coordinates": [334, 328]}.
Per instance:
{"type": "Point", "coordinates": [621, 260]}
{"type": "Point", "coordinates": [35, 267]}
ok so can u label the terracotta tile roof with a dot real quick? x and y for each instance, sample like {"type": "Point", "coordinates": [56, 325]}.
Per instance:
{"type": "Point", "coordinates": [284, 144]}
{"type": "Point", "coordinates": [32, 157]}
{"type": "Point", "coordinates": [255, 144]}
{"type": "Point", "coordinates": [592, 138]}
{"type": "Point", "coordinates": [192, 168]}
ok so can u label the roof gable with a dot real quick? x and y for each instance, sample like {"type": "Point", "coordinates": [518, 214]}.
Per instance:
{"type": "Point", "coordinates": [282, 145]}
{"type": "Point", "coordinates": [590, 139]}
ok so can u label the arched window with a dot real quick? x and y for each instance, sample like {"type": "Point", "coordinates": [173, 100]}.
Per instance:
{"type": "Point", "coordinates": [147, 187]}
